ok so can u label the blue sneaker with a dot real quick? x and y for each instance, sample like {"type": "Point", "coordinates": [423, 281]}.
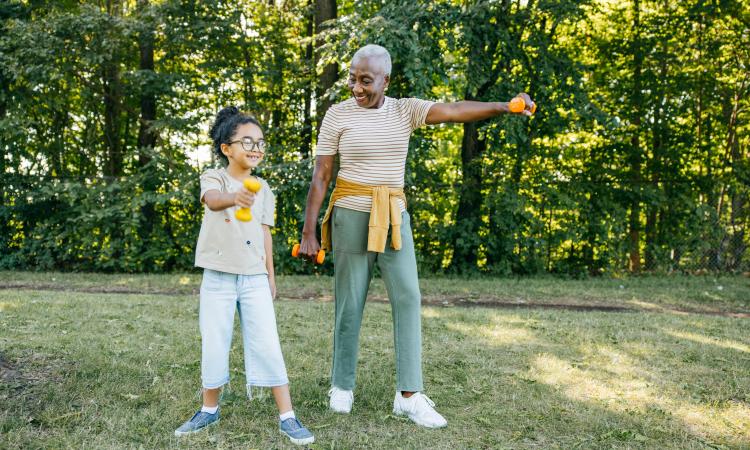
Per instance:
{"type": "Point", "coordinates": [197, 423]}
{"type": "Point", "coordinates": [296, 432]}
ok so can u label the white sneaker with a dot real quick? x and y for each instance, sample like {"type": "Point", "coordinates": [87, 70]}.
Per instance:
{"type": "Point", "coordinates": [341, 400]}
{"type": "Point", "coordinates": [419, 408]}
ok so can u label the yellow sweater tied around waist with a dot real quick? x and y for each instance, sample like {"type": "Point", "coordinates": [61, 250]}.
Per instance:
{"type": "Point", "coordinates": [385, 212]}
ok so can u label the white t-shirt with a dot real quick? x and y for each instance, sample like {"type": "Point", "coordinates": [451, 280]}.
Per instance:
{"type": "Point", "coordinates": [225, 243]}
{"type": "Point", "coordinates": [372, 144]}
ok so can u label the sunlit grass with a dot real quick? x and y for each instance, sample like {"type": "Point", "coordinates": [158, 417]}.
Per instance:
{"type": "Point", "coordinates": [495, 335]}
{"type": "Point", "coordinates": [5, 306]}
{"type": "Point", "coordinates": [614, 381]}
{"type": "Point", "coordinates": [725, 343]}
{"type": "Point", "coordinates": [671, 293]}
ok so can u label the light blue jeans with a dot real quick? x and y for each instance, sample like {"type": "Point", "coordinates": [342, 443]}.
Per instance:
{"type": "Point", "coordinates": [220, 296]}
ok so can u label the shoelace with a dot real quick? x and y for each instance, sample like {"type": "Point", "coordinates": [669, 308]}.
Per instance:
{"type": "Point", "coordinates": [295, 424]}
{"type": "Point", "coordinates": [426, 398]}
{"type": "Point", "coordinates": [200, 415]}
{"type": "Point", "coordinates": [333, 391]}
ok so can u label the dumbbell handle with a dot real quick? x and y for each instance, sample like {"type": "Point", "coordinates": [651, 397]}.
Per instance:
{"type": "Point", "coordinates": [252, 185]}
{"type": "Point", "coordinates": [319, 258]}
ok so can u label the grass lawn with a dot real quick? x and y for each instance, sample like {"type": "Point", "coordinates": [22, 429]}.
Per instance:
{"type": "Point", "coordinates": [86, 363]}
{"type": "Point", "coordinates": [709, 294]}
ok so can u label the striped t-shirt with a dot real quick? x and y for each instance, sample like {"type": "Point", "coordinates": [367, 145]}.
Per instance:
{"type": "Point", "coordinates": [372, 143]}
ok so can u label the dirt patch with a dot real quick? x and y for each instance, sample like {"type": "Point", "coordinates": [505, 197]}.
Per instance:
{"type": "Point", "coordinates": [29, 370]}
{"type": "Point", "coordinates": [98, 289]}
{"type": "Point", "coordinates": [482, 302]}
{"type": "Point", "coordinates": [23, 381]}
{"type": "Point", "coordinates": [503, 303]}
{"type": "Point", "coordinates": [431, 300]}
{"type": "Point", "coordinates": [7, 372]}
{"type": "Point", "coordinates": [528, 305]}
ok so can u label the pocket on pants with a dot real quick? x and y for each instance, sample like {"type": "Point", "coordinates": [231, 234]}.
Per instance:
{"type": "Point", "coordinates": [350, 230]}
{"type": "Point", "coordinates": [215, 281]}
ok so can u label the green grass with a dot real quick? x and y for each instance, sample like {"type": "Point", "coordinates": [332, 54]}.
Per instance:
{"type": "Point", "coordinates": [94, 370]}
{"type": "Point", "coordinates": [710, 294]}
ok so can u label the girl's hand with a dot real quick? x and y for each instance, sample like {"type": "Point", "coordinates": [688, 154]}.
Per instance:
{"type": "Point", "coordinates": [272, 284]}
{"type": "Point", "coordinates": [244, 198]}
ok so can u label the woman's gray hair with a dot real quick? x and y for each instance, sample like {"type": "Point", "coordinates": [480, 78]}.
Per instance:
{"type": "Point", "coordinates": [375, 51]}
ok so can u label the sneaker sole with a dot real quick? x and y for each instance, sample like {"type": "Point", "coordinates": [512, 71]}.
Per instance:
{"type": "Point", "coordinates": [304, 441]}
{"type": "Point", "coordinates": [183, 433]}
{"type": "Point", "coordinates": [340, 411]}
{"type": "Point", "coordinates": [401, 413]}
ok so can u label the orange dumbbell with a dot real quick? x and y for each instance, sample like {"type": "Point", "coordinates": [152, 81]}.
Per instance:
{"type": "Point", "coordinates": [252, 185]}
{"type": "Point", "coordinates": [321, 256]}
{"type": "Point", "coordinates": [518, 104]}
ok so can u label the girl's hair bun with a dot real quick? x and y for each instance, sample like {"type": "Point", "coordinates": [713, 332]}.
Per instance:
{"type": "Point", "coordinates": [225, 114]}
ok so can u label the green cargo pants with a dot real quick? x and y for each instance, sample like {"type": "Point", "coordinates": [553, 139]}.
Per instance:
{"type": "Point", "coordinates": [353, 266]}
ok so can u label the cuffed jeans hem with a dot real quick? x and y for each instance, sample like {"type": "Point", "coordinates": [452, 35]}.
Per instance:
{"type": "Point", "coordinates": [207, 385]}
{"type": "Point", "coordinates": [268, 383]}
{"type": "Point", "coordinates": [413, 388]}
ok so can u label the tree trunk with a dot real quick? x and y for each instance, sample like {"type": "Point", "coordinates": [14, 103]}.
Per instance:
{"type": "Point", "coordinates": [660, 139]}
{"type": "Point", "coordinates": [112, 105]}
{"type": "Point", "coordinates": [635, 157]}
{"type": "Point", "coordinates": [737, 246]}
{"type": "Point", "coordinates": [324, 10]}
{"type": "Point", "coordinates": [112, 108]}
{"type": "Point", "coordinates": [146, 135]}
{"type": "Point", "coordinates": [468, 216]}
{"type": "Point", "coordinates": [306, 148]}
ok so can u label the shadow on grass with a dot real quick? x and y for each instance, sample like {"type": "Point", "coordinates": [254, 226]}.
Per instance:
{"type": "Point", "coordinates": [628, 381]}
{"type": "Point", "coordinates": [503, 378]}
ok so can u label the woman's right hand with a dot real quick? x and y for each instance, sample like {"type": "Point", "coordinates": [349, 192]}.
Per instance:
{"type": "Point", "coordinates": [309, 246]}
{"type": "Point", "coordinates": [244, 198]}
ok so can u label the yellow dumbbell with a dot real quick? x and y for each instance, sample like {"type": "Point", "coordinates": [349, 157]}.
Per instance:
{"type": "Point", "coordinates": [252, 185]}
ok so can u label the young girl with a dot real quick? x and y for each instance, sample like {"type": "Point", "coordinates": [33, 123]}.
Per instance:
{"type": "Point", "coordinates": [238, 275]}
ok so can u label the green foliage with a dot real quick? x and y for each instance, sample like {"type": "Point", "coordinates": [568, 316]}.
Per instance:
{"type": "Point", "coordinates": [91, 225]}
{"type": "Point", "coordinates": [639, 149]}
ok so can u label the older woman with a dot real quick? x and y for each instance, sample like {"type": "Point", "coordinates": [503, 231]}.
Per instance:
{"type": "Point", "coordinates": [367, 220]}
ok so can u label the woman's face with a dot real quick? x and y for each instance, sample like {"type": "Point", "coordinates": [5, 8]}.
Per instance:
{"type": "Point", "coordinates": [368, 82]}
{"type": "Point", "coordinates": [246, 135]}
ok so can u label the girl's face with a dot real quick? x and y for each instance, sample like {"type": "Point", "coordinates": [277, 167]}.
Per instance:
{"type": "Point", "coordinates": [246, 148]}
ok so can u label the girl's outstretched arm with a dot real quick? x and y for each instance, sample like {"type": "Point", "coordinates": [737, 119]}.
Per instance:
{"type": "Point", "coordinates": [219, 201]}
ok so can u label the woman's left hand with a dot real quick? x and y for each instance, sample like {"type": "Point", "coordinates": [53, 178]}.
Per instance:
{"type": "Point", "coordinates": [272, 284]}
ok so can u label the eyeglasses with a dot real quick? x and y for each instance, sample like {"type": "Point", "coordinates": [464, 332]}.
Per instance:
{"type": "Point", "coordinates": [250, 145]}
